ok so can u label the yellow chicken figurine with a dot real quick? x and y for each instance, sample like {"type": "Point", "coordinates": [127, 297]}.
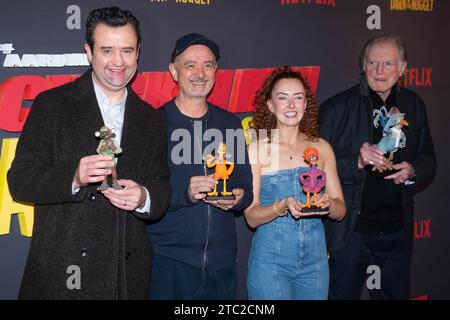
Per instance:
{"type": "Point", "coordinates": [222, 172]}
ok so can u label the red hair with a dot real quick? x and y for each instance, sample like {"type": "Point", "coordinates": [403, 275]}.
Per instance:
{"type": "Point", "coordinates": [264, 118]}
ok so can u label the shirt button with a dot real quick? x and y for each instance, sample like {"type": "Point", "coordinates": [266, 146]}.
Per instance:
{"type": "Point", "coordinates": [91, 196]}
{"type": "Point", "coordinates": [84, 252]}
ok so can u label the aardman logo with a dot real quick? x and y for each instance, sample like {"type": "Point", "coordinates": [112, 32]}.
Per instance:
{"type": "Point", "coordinates": [234, 91]}
{"type": "Point", "coordinates": [41, 60]}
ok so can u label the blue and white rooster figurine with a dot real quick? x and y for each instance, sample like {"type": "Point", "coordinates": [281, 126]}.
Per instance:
{"type": "Point", "coordinates": [393, 136]}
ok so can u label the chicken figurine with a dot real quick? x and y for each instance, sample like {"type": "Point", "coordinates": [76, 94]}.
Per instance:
{"type": "Point", "coordinates": [393, 137]}
{"type": "Point", "coordinates": [312, 181]}
{"type": "Point", "coordinates": [222, 171]}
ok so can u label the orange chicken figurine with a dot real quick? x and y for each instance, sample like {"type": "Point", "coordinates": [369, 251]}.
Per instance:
{"type": "Point", "coordinates": [222, 172]}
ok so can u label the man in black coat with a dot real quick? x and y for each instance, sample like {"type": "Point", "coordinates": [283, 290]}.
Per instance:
{"type": "Point", "coordinates": [89, 244]}
{"type": "Point", "coordinates": [378, 227]}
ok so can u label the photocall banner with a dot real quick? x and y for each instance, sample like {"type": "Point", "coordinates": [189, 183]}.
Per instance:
{"type": "Point", "coordinates": [42, 47]}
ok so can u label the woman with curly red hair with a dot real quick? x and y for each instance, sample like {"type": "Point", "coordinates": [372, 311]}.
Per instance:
{"type": "Point", "coordinates": [288, 259]}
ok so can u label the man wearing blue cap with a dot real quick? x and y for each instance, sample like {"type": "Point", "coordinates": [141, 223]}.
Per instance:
{"type": "Point", "coordinates": [195, 243]}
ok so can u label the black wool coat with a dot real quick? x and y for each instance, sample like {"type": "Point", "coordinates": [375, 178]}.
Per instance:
{"type": "Point", "coordinates": [346, 122]}
{"type": "Point", "coordinates": [108, 245]}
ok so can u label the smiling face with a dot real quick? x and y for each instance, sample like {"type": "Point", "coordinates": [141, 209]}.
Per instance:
{"type": "Point", "coordinates": [288, 102]}
{"type": "Point", "coordinates": [114, 57]}
{"type": "Point", "coordinates": [195, 71]}
{"type": "Point", "coordinates": [383, 67]}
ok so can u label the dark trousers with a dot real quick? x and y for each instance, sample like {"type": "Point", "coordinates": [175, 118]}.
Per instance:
{"type": "Point", "coordinates": [175, 280]}
{"type": "Point", "coordinates": [349, 268]}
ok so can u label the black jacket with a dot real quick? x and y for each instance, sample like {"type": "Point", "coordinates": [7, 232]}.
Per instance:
{"type": "Point", "coordinates": [346, 122]}
{"type": "Point", "coordinates": [198, 234]}
{"type": "Point", "coordinates": [110, 246]}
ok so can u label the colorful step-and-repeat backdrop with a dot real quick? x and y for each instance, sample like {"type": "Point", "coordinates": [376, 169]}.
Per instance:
{"type": "Point", "coordinates": [41, 46]}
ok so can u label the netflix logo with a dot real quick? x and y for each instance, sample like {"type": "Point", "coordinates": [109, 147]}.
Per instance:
{"type": "Point", "coordinates": [422, 229]}
{"type": "Point", "coordinates": [417, 77]}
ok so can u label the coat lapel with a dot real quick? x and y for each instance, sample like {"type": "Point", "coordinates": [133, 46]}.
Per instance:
{"type": "Point", "coordinates": [87, 119]}
{"type": "Point", "coordinates": [86, 113]}
{"type": "Point", "coordinates": [135, 138]}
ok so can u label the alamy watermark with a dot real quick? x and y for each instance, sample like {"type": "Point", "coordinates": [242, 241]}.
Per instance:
{"type": "Point", "coordinates": [74, 280]}
{"type": "Point", "coordinates": [192, 148]}
{"type": "Point", "coordinates": [374, 280]}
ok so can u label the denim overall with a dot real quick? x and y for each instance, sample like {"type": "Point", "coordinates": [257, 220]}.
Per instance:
{"type": "Point", "coordinates": [288, 258]}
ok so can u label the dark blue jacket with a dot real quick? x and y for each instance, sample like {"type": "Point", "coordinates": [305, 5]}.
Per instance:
{"type": "Point", "coordinates": [198, 234]}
